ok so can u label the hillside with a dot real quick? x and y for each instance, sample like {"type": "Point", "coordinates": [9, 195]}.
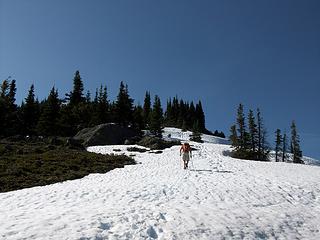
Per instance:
{"type": "Point", "coordinates": [217, 198]}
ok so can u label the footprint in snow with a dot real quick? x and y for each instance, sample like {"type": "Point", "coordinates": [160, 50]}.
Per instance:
{"type": "Point", "coordinates": [152, 233]}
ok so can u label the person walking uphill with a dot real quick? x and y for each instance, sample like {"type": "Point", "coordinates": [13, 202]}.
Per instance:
{"type": "Point", "coordinates": [185, 150]}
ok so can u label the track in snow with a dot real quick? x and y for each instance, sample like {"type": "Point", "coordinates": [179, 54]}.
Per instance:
{"type": "Point", "coordinates": [217, 198]}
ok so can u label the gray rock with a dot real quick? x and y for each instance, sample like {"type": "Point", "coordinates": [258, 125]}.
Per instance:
{"type": "Point", "coordinates": [105, 134]}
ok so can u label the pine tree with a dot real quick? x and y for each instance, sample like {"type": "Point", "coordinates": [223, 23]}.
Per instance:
{"type": "Point", "coordinates": [124, 106]}
{"type": "Point", "coordinates": [295, 144]}
{"type": "Point", "coordinates": [196, 134]}
{"type": "Point", "coordinates": [156, 118]}
{"type": "Point", "coordinates": [48, 122]}
{"type": "Point", "coordinates": [278, 144]}
{"type": "Point", "coordinates": [9, 124]}
{"type": "Point", "coordinates": [241, 128]}
{"type": "Point", "coordinates": [30, 112]}
{"type": "Point", "coordinates": [234, 137]}
{"type": "Point", "coordinates": [252, 131]}
{"type": "Point", "coordinates": [138, 118]}
{"type": "Point", "coordinates": [260, 134]}
{"type": "Point", "coordinates": [191, 115]}
{"type": "Point", "coordinates": [147, 109]}
{"type": "Point", "coordinates": [3, 107]}
{"type": "Point", "coordinates": [76, 96]}
{"type": "Point", "coordinates": [200, 117]}
{"type": "Point", "coordinates": [4, 89]}
{"type": "Point", "coordinates": [168, 121]}
{"type": "Point", "coordinates": [284, 147]}
{"type": "Point", "coordinates": [88, 97]}
{"type": "Point", "coordinates": [265, 146]}
{"type": "Point", "coordinates": [102, 105]}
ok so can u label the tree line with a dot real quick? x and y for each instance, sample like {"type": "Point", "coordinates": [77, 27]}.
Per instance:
{"type": "Point", "coordinates": [55, 116]}
{"type": "Point", "coordinates": [249, 139]}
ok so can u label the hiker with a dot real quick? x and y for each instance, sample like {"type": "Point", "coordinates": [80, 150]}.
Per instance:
{"type": "Point", "coordinates": [185, 150]}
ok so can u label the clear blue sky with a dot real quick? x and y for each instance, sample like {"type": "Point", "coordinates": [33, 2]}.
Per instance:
{"type": "Point", "coordinates": [261, 53]}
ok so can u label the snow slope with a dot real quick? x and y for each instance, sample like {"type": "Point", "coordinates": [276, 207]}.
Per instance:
{"type": "Point", "coordinates": [176, 133]}
{"type": "Point", "coordinates": [217, 198]}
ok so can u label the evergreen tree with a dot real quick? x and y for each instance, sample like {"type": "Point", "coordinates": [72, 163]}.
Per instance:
{"type": "Point", "coordinates": [284, 147]}
{"type": "Point", "coordinates": [260, 134]}
{"type": "Point", "coordinates": [9, 124]}
{"type": "Point", "coordinates": [156, 118]}
{"type": "Point", "coordinates": [88, 97]}
{"type": "Point", "coordinates": [102, 105]}
{"type": "Point", "coordinates": [138, 118]}
{"type": "Point", "coordinates": [200, 117]}
{"type": "Point", "coordinates": [252, 131]}
{"type": "Point", "coordinates": [147, 109]}
{"type": "Point", "coordinates": [234, 137]}
{"type": "Point", "coordinates": [263, 146]}
{"type": "Point", "coordinates": [48, 122]}
{"type": "Point", "coordinates": [168, 120]}
{"type": "Point", "coordinates": [278, 144]}
{"type": "Point", "coordinates": [191, 115]}
{"type": "Point", "coordinates": [196, 134]}
{"type": "Point", "coordinates": [76, 96]}
{"type": "Point", "coordinates": [241, 128]}
{"type": "Point", "coordinates": [265, 149]}
{"type": "Point", "coordinates": [295, 144]}
{"type": "Point", "coordinates": [3, 106]}
{"type": "Point", "coordinates": [124, 105]}
{"type": "Point", "coordinates": [181, 114]}
{"type": "Point", "coordinates": [30, 112]}
{"type": "Point", "coordinates": [4, 90]}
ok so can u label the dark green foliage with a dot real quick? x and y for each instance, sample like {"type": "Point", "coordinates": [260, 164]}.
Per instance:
{"type": "Point", "coordinates": [124, 106]}
{"type": "Point", "coordinates": [241, 127]}
{"type": "Point", "coordinates": [136, 149]}
{"type": "Point", "coordinates": [155, 143]}
{"type": "Point", "coordinates": [284, 147]}
{"type": "Point", "coordinates": [263, 149]}
{"type": "Point", "coordinates": [65, 117]}
{"type": "Point", "coordinates": [183, 115]}
{"type": "Point", "coordinates": [249, 145]}
{"type": "Point", "coordinates": [100, 107]}
{"type": "Point", "coordinates": [234, 137]}
{"type": "Point", "coordinates": [30, 113]}
{"type": "Point", "coordinates": [200, 117]}
{"type": "Point", "coordinates": [218, 134]}
{"type": "Point", "coordinates": [156, 118]}
{"type": "Point", "coordinates": [196, 134]}
{"type": "Point", "coordinates": [76, 96]}
{"type": "Point", "coordinates": [252, 131]}
{"type": "Point", "coordinates": [138, 118]}
{"type": "Point", "coordinates": [38, 162]}
{"type": "Point", "coordinates": [49, 118]}
{"type": "Point", "coordinates": [147, 109]}
{"type": "Point", "coordinates": [278, 144]}
{"type": "Point", "coordinates": [9, 123]}
{"type": "Point", "coordinates": [295, 144]}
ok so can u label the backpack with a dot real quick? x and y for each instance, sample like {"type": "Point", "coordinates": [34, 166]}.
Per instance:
{"type": "Point", "coordinates": [186, 147]}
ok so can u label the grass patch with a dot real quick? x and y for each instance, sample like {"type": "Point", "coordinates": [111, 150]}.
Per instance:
{"type": "Point", "coordinates": [27, 164]}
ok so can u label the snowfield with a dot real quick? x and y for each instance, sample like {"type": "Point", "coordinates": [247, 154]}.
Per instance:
{"type": "Point", "coordinates": [217, 198]}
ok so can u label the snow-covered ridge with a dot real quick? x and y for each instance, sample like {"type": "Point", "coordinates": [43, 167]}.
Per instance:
{"type": "Point", "coordinates": [176, 133]}
{"type": "Point", "coordinates": [217, 198]}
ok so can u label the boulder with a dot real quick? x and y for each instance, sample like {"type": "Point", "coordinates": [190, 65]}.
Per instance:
{"type": "Point", "coordinates": [105, 134]}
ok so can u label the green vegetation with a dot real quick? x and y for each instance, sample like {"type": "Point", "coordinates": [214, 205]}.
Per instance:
{"type": "Point", "coordinates": [136, 149]}
{"type": "Point", "coordinates": [38, 162]}
{"type": "Point", "coordinates": [155, 143]}
{"type": "Point", "coordinates": [250, 141]}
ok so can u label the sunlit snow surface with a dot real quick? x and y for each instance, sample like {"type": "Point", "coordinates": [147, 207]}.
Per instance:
{"type": "Point", "coordinates": [217, 198]}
